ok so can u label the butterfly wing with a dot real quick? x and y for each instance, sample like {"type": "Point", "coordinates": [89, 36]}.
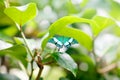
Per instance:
{"type": "Point", "coordinates": [61, 41]}
{"type": "Point", "coordinates": [66, 41]}
{"type": "Point", "coordinates": [70, 42]}
{"type": "Point", "coordinates": [55, 41]}
{"type": "Point", "coordinates": [60, 38]}
{"type": "Point", "coordinates": [51, 41]}
{"type": "Point", "coordinates": [74, 41]}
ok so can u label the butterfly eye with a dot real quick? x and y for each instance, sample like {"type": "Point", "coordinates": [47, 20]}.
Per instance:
{"type": "Point", "coordinates": [55, 43]}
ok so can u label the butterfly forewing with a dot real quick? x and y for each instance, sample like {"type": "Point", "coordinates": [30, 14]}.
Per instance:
{"type": "Point", "coordinates": [61, 41]}
{"type": "Point", "coordinates": [55, 41]}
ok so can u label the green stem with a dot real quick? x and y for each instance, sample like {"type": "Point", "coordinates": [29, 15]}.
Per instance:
{"type": "Point", "coordinates": [93, 51]}
{"type": "Point", "coordinates": [27, 48]}
{"type": "Point", "coordinates": [31, 69]}
{"type": "Point", "coordinates": [35, 53]}
{"type": "Point", "coordinates": [24, 39]}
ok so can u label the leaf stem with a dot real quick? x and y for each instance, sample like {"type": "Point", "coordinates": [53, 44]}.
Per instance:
{"type": "Point", "coordinates": [27, 48]}
{"type": "Point", "coordinates": [93, 51]}
{"type": "Point", "coordinates": [24, 39]}
{"type": "Point", "coordinates": [35, 53]}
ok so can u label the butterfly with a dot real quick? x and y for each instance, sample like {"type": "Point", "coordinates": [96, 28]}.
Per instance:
{"type": "Point", "coordinates": [62, 41]}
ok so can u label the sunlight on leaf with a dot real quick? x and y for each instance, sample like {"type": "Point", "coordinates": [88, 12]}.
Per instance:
{"type": "Point", "coordinates": [101, 23]}
{"type": "Point", "coordinates": [115, 9]}
{"type": "Point", "coordinates": [60, 28]}
{"type": "Point", "coordinates": [89, 13]}
{"type": "Point", "coordinates": [22, 14]}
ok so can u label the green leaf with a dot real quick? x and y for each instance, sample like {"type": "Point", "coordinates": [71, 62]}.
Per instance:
{"type": "Point", "coordinates": [10, 31]}
{"type": "Point", "coordinates": [100, 23]}
{"type": "Point", "coordinates": [18, 40]}
{"type": "Point", "coordinates": [115, 9]}
{"type": "Point", "coordinates": [80, 56]}
{"type": "Point", "coordinates": [8, 77]}
{"type": "Point", "coordinates": [18, 51]}
{"type": "Point", "coordinates": [22, 14]}
{"type": "Point", "coordinates": [71, 8]}
{"type": "Point", "coordinates": [115, 30]}
{"type": "Point", "coordinates": [83, 3]}
{"type": "Point", "coordinates": [5, 37]}
{"type": "Point", "coordinates": [64, 60]}
{"type": "Point", "coordinates": [60, 28]}
{"type": "Point", "coordinates": [89, 13]}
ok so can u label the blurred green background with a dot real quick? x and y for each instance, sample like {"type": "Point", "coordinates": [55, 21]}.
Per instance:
{"type": "Point", "coordinates": [107, 43]}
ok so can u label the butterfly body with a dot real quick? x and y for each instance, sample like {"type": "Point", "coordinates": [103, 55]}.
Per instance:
{"type": "Point", "coordinates": [62, 41]}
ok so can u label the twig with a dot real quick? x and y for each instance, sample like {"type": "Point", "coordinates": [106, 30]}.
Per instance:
{"type": "Point", "coordinates": [39, 74]}
{"type": "Point", "coordinates": [40, 65]}
{"type": "Point", "coordinates": [24, 39]}
{"type": "Point", "coordinates": [31, 69]}
{"type": "Point", "coordinates": [27, 48]}
{"type": "Point", "coordinates": [107, 68]}
{"type": "Point", "coordinates": [35, 53]}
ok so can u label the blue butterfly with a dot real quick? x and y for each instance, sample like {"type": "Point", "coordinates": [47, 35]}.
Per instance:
{"type": "Point", "coordinates": [61, 41]}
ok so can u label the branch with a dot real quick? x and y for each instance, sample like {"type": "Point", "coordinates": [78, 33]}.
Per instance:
{"type": "Point", "coordinates": [40, 65]}
{"type": "Point", "coordinates": [27, 48]}
{"type": "Point", "coordinates": [24, 39]}
{"type": "Point", "coordinates": [107, 68]}
{"type": "Point", "coordinates": [39, 74]}
{"type": "Point", "coordinates": [35, 53]}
